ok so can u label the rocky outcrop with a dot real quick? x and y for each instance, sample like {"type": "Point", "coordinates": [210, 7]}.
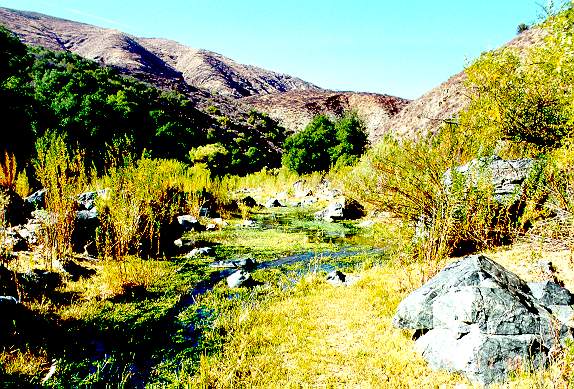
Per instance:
{"type": "Point", "coordinates": [506, 176]}
{"type": "Point", "coordinates": [478, 319]}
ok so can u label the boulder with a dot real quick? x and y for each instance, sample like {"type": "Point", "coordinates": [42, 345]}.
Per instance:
{"type": "Point", "coordinates": [242, 263]}
{"type": "Point", "coordinates": [84, 234]}
{"type": "Point", "coordinates": [336, 278]}
{"type": "Point", "coordinates": [550, 293]}
{"type": "Point", "coordinates": [87, 200]}
{"type": "Point", "coordinates": [273, 203]}
{"type": "Point", "coordinates": [482, 358]}
{"type": "Point", "coordinates": [506, 176]}
{"type": "Point", "coordinates": [36, 200]}
{"type": "Point", "coordinates": [198, 251]}
{"type": "Point", "coordinates": [479, 319]}
{"type": "Point", "coordinates": [345, 209]}
{"type": "Point", "coordinates": [188, 223]}
{"type": "Point", "coordinates": [248, 201]}
{"type": "Point", "coordinates": [239, 279]}
{"type": "Point", "coordinates": [333, 212]}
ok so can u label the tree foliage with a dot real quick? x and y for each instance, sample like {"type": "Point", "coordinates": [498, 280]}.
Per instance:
{"type": "Point", "coordinates": [324, 143]}
{"type": "Point", "coordinates": [95, 106]}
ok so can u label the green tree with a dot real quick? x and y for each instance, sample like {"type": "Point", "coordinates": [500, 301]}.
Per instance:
{"type": "Point", "coordinates": [324, 143]}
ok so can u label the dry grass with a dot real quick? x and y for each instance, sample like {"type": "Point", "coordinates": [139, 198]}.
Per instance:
{"type": "Point", "coordinates": [8, 171]}
{"type": "Point", "coordinates": [25, 363]}
{"type": "Point", "coordinates": [323, 336]}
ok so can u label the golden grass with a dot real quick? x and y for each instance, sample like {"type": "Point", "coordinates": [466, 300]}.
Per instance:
{"type": "Point", "coordinates": [323, 336]}
{"type": "Point", "coordinates": [24, 362]}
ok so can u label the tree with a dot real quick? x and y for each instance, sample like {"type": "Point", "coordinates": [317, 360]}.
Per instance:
{"type": "Point", "coordinates": [324, 143]}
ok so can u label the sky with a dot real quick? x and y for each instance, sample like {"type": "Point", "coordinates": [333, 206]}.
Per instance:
{"type": "Point", "coordinates": [401, 48]}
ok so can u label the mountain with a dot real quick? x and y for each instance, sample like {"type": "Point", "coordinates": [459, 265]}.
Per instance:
{"type": "Point", "coordinates": [207, 78]}
{"type": "Point", "coordinates": [167, 60]}
{"type": "Point", "coordinates": [295, 109]}
{"type": "Point", "coordinates": [445, 101]}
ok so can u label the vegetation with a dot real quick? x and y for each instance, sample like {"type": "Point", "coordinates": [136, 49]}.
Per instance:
{"type": "Point", "coordinates": [95, 107]}
{"type": "Point", "coordinates": [324, 143]}
{"type": "Point", "coordinates": [139, 312]}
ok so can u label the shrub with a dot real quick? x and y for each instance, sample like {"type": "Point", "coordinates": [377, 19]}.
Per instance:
{"type": "Point", "coordinates": [407, 178]}
{"type": "Point", "coordinates": [526, 97]}
{"type": "Point", "coordinates": [62, 174]}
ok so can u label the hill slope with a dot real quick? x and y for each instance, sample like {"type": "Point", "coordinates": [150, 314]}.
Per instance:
{"type": "Point", "coordinates": [207, 78]}
{"type": "Point", "coordinates": [295, 109]}
{"type": "Point", "coordinates": [442, 103]}
{"type": "Point", "coordinates": [166, 60]}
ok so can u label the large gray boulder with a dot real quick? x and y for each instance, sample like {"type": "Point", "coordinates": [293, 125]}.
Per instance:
{"type": "Point", "coordinates": [479, 319]}
{"type": "Point", "coordinates": [342, 209]}
{"type": "Point", "coordinates": [506, 176]}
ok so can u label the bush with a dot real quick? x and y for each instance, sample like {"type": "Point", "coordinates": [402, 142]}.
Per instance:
{"type": "Point", "coordinates": [61, 172]}
{"type": "Point", "coordinates": [324, 143]}
{"type": "Point", "coordinates": [526, 97]}
{"type": "Point", "coordinates": [407, 178]}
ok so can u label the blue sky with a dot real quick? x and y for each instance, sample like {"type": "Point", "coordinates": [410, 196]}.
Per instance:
{"type": "Point", "coordinates": [402, 48]}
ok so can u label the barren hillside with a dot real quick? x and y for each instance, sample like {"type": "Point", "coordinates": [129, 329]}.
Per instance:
{"type": "Point", "coordinates": [295, 109]}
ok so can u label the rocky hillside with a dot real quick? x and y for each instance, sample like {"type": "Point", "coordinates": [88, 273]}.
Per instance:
{"type": "Point", "coordinates": [163, 61]}
{"type": "Point", "coordinates": [442, 103]}
{"type": "Point", "coordinates": [205, 77]}
{"type": "Point", "coordinates": [295, 109]}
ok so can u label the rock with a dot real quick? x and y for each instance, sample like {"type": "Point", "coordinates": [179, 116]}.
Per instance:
{"type": "Point", "coordinates": [482, 358]}
{"type": "Point", "coordinates": [336, 278]}
{"type": "Point", "coordinates": [249, 201]}
{"type": "Point", "coordinates": [478, 319]}
{"type": "Point", "coordinates": [243, 263]}
{"type": "Point", "coordinates": [8, 300]}
{"type": "Point", "coordinates": [333, 212]}
{"type": "Point", "coordinates": [308, 201]}
{"type": "Point", "coordinates": [87, 200]}
{"type": "Point", "coordinates": [249, 223]}
{"type": "Point", "coordinates": [550, 293]}
{"type": "Point", "coordinates": [415, 311]}
{"type": "Point", "coordinates": [188, 223]}
{"type": "Point", "coordinates": [198, 251]}
{"type": "Point", "coordinates": [184, 243]}
{"type": "Point", "coordinates": [84, 234]}
{"type": "Point", "coordinates": [506, 176]}
{"type": "Point", "coordinates": [564, 314]}
{"type": "Point", "coordinates": [238, 279]}
{"type": "Point", "coordinates": [347, 209]}
{"type": "Point", "coordinates": [10, 240]}
{"type": "Point", "coordinates": [273, 203]}
{"type": "Point", "coordinates": [36, 200]}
